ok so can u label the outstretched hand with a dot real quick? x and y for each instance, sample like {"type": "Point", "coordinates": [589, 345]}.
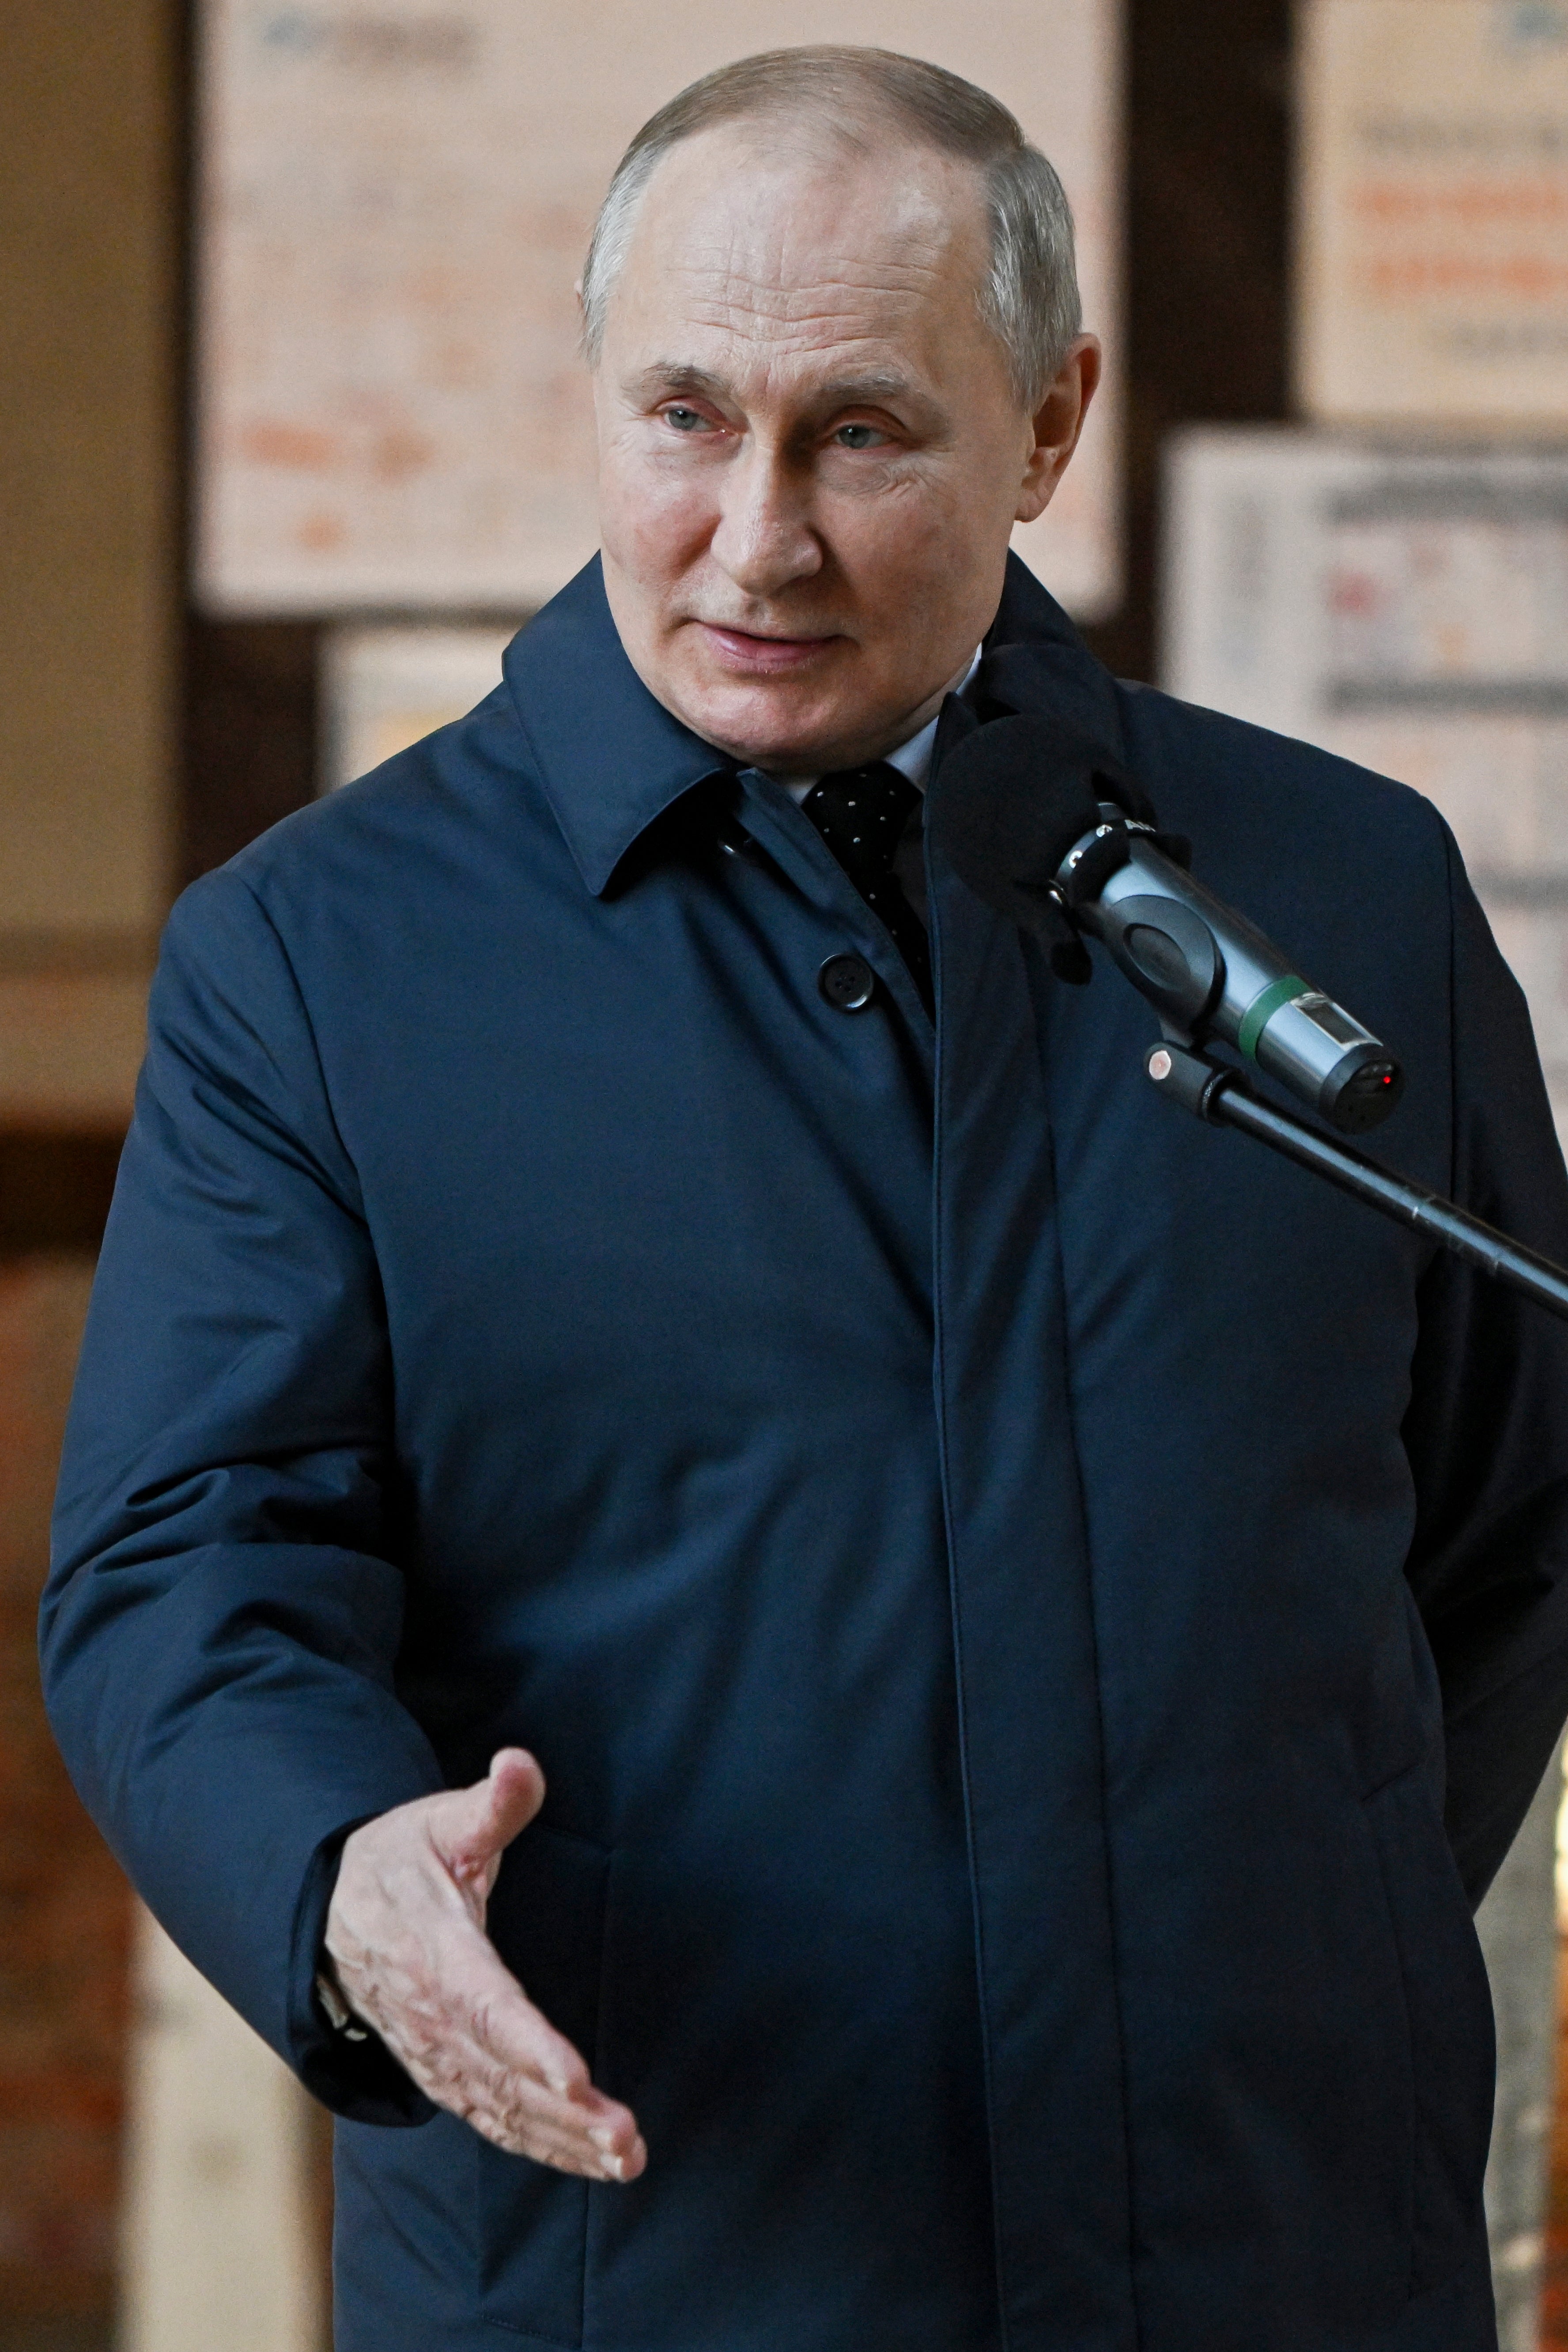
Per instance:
{"type": "Point", "coordinates": [407, 1935]}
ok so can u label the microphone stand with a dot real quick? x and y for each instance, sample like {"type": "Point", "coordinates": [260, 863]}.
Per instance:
{"type": "Point", "coordinates": [1217, 1092]}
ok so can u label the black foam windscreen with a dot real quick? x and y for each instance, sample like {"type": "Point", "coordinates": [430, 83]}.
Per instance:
{"type": "Point", "coordinates": [1006, 804]}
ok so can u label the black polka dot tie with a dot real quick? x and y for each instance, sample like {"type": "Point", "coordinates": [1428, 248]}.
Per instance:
{"type": "Point", "coordinates": [862, 813]}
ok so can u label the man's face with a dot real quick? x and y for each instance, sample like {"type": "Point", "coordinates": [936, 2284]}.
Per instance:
{"type": "Point", "coordinates": [810, 456]}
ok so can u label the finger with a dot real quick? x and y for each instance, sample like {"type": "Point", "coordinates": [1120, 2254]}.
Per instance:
{"type": "Point", "coordinates": [472, 1827]}
{"type": "Point", "coordinates": [522, 2112]}
{"type": "Point", "coordinates": [620, 2169]}
{"type": "Point", "coordinates": [520, 2038]}
{"type": "Point", "coordinates": [527, 2128]}
{"type": "Point", "coordinates": [597, 2136]}
{"type": "Point", "coordinates": [562, 2157]}
{"type": "Point", "coordinates": [487, 2044]}
{"type": "Point", "coordinates": [516, 1777]}
{"type": "Point", "coordinates": [522, 2069]}
{"type": "Point", "coordinates": [606, 2145]}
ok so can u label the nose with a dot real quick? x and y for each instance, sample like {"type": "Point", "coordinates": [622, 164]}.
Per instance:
{"type": "Point", "coordinates": [764, 538]}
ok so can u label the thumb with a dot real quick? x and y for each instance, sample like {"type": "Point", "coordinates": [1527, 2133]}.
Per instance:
{"type": "Point", "coordinates": [476, 1824]}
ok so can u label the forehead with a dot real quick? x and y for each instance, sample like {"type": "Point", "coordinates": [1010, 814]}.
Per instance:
{"type": "Point", "coordinates": [785, 237]}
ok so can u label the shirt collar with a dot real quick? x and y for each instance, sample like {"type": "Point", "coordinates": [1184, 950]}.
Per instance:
{"type": "Point", "coordinates": [611, 759]}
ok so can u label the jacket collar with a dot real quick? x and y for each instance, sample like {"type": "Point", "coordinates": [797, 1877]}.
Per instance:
{"type": "Point", "coordinates": [611, 759]}
{"type": "Point", "coordinates": [1034, 660]}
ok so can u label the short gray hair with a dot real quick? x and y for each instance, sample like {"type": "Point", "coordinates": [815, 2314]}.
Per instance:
{"type": "Point", "coordinates": [1029, 297]}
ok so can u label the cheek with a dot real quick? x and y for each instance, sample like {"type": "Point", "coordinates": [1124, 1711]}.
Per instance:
{"type": "Point", "coordinates": [926, 563]}
{"type": "Point", "coordinates": [922, 534]}
{"type": "Point", "coordinates": [655, 520]}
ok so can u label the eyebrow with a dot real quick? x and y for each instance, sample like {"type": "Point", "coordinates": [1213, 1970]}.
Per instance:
{"type": "Point", "coordinates": [672, 375]}
{"type": "Point", "coordinates": [844, 392]}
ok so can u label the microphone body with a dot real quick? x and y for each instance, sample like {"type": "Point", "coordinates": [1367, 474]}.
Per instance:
{"type": "Point", "coordinates": [1212, 973]}
{"type": "Point", "coordinates": [1046, 826]}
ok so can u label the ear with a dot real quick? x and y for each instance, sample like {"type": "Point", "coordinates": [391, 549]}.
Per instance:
{"type": "Point", "coordinates": [1056, 423]}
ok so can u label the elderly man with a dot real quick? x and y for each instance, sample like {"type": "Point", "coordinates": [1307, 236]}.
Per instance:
{"type": "Point", "coordinates": [623, 1261]}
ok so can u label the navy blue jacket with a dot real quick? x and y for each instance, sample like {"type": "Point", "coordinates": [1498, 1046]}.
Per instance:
{"type": "Point", "coordinates": [1002, 1578]}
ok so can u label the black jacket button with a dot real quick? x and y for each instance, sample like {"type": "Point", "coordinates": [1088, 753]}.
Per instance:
{"type": "Point", "coordinates": [847, 982]}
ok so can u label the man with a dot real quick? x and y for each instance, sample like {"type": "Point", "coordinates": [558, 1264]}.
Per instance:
{"type": "Point", "coordinates": [997, 1579]}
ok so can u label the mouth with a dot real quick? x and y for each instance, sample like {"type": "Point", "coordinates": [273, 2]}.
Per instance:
{"type": "Point", "coordinates": [747, 653]}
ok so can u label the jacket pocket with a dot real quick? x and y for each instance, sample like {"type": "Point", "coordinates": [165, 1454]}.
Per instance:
{"type": "Point", "coordinates": [547, 1921]}
{"type": "Point", "coordinates": [1447, 2003]}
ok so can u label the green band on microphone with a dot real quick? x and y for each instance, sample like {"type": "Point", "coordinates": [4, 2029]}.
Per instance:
{"type": "Point", "coordinates": [1262, 1009]}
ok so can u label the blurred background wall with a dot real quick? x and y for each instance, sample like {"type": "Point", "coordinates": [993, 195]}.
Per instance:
{"type": "Point", "coordinates": [161, 2188]}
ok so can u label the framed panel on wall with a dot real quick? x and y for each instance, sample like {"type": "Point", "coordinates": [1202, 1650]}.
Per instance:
{"type": "Point", "coordinates": [1433, 212]}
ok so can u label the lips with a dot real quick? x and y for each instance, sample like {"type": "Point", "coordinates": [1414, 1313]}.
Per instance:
{"type": "Point", "coordinates": [743, 651]}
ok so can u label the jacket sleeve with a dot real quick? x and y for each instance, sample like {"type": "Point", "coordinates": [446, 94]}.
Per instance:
{"type": "Point", "coordinates": [1487, 1429]}
{"type": "Point", "coordinates": [225, 1602]}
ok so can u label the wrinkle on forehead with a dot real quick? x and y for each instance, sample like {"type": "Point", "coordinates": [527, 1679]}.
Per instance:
{"type": "Point", "coordinates": [782, 284]}
{"type": "Point", "coordinates": [801, 317]}
{"type": "Point", "coordinates": [750, 245]}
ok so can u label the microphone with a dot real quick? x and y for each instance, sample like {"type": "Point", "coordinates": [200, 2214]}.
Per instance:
{"type": "Point", "coordinates": [1049, 830]}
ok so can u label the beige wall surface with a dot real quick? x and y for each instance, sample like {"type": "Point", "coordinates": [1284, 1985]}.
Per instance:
{"type": "Point", "coordinates": [87, 145]}
{"type": "Point", "coordinates": [218, 2235]}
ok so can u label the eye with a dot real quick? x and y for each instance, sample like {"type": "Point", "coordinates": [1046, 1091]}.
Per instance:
{"type": "Point", "coordinates": [858, 436]}
{"type": "Point", "coordinates": [684, 420]}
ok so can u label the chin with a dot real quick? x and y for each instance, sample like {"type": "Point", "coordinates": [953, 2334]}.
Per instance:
{"type": "Point", "coordinates": [763, 728]}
